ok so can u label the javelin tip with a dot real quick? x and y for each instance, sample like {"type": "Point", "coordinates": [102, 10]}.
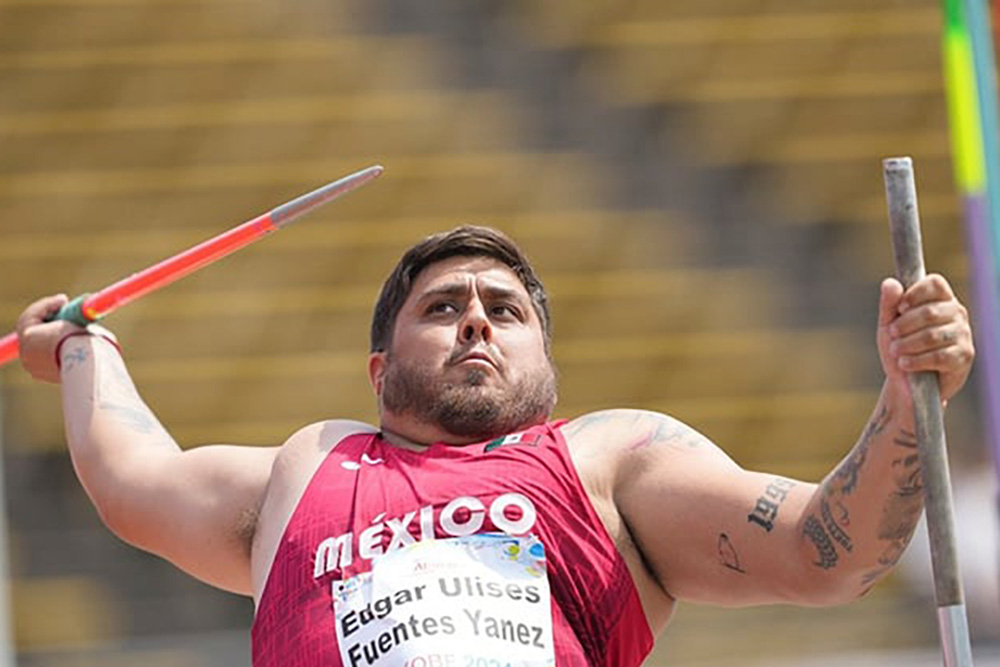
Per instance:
{"type": "Point", "coordinates": [299, 206]}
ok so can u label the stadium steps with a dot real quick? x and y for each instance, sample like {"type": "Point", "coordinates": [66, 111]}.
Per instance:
{"type": "Point", "coordinates": [793, 94]}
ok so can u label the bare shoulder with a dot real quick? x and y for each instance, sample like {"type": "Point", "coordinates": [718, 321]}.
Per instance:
{"type": "Point", "coordinates": [302, 453]}
{"type": "Point", "coordinates": [294, 466]}
{"type": "Point", "coordinates": [318, 439]}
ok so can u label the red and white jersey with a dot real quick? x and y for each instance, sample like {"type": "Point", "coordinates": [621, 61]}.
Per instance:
{"type": "Point", "coordinates": [483, 555]}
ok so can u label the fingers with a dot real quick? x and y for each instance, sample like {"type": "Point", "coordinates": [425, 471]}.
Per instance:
{"type": "Point", "coordinates": [940, 346]}
{"type": "Point", "coordinates": [39, 338]}
{"type": "Point", "coordinates": [889, 299]}
{"type": "Point", "coordinates": [39, 311]}
{"type": "Point", "coordinates": [932, 287]}
{"type": "Point", "coordinates": [928, 330]}
{"type": "Point", "coordinates": [926, 316]}
{"type": "Point", "coordinates": [953, 359]}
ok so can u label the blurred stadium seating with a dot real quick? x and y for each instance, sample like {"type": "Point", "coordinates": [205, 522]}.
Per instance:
{"type": "Point", "coordinates": [698, 183]}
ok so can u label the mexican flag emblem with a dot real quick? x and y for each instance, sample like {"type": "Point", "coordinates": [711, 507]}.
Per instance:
{"type": "Point", "coordinates": [513, 439]}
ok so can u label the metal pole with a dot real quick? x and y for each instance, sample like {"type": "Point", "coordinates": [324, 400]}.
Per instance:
{"type": "Point", "coordinates": [904, 223]}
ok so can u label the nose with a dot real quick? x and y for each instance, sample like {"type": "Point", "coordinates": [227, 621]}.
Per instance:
{"type": "Point", "coordinates": [476, 325]}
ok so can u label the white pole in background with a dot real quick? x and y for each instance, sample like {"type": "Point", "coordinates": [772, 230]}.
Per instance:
{"type": "Point", "coordinates": [7, 651]}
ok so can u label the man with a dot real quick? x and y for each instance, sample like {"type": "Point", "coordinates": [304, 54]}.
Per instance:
{"type": "Point", "coordinates": [468, 529]}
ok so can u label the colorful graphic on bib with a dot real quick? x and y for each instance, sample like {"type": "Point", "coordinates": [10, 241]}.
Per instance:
{"type": "Point", "coordinates": [511, 513]}
{"type": "Point", "coordinates": [482, 599]}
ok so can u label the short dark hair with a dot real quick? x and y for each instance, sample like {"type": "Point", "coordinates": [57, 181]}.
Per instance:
{"type": "Point", "coordinates": [464, 241]}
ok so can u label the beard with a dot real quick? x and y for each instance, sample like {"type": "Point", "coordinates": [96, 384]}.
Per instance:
{"type": "Point", "coordinates": [469, 408]}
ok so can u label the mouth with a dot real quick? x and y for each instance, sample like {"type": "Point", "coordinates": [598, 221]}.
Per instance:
{"type": "Point", "coordinates": [477, 358]}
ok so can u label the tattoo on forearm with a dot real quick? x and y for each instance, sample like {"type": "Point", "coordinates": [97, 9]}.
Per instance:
{"type": "Point", "coordinates": [906, 439]}
{"type": "Point", "coordinates": [887, 560]}
{"type": "Point", "coordinates": [71, 359]}
{"type": "Point", "coordinates": [828, 531]}
{"type": "Point", "coordinates": [825, 550]}
{"type": "Point", "coordinates": [766, 510]}
{"type": "Point", "coordinates": [137, 419]}
{"type": "Point", "coordinates": [833, 528]}
{"type": "Point", "coordinates": [902, 508]}
{"type": "Point", "coordinates": [728, 556]}
{"type": "Point", "coordinates": [845, 480]}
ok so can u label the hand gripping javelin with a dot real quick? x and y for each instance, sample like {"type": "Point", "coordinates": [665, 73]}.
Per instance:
{"type": "Point", "coordinates": [89, 308]}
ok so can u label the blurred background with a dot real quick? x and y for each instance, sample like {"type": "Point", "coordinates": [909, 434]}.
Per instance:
{"type": "Point", "coordinates": [699, 184]}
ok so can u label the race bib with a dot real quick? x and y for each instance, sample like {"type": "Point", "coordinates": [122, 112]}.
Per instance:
{"type": "Point", "coordinates": [476, 601]}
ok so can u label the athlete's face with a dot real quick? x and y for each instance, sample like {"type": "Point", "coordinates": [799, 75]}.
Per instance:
{"type": "Point", "coordinates": [467, 355]}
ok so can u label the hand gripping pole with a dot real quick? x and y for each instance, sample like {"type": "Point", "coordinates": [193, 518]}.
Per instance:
{"type": "Point", "coordinates": [904, 223]}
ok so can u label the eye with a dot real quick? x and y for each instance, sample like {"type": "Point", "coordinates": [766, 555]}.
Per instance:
{"type": "Point", "coordinates": [505, 310]}
{"type": "Point", "coordinates": [442, 308]}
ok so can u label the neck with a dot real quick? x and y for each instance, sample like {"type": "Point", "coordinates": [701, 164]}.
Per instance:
{"type": "Point", "coordinates": [419, 439]}
{"type": "Point", "coordinates": [407, 433]}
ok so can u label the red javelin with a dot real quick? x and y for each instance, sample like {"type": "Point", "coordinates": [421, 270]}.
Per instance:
{"type": "Point", "coordinates": [92, 307]}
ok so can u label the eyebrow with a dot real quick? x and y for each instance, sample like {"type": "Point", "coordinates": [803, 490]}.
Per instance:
{"type": "Point", "coordinates": [461, 289]}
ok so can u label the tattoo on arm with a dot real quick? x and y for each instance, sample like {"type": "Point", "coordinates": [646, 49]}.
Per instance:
{"type": "Point", "coordinates": [137, 419]}
{"type": "Point", "coordinates": [727, 554]}
{"type": "Point", "coordinates": [906, 439]}
{"type": "Point", "coordinates": [833, 528]}
{"type": "Point", "coordinates": [825, 550]}
{"type": "Point", "coordinates": [663, 432]}
{"type": "Point", "coordinates": [828, 531]}
{"type": "Point", "coordinates": [845, 479]}
{"type": "Point", "coordinates": [71, 359]}
{"type": "Point", "coordinates": [651, 428]}
{"type": "Point", "coordinates": [902, 508]}
{"type": "Point", "coordinates": [766, 510]}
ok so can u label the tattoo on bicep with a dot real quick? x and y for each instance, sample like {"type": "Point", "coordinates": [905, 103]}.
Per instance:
{"type": "Point", "coordinates": [728, 556]}
{"type": "Point", "coordinates": [766, 510]}
{"type": "Point", "coordinates": [656, 429]}
{"type": "Point", "coordinates": [581, 424]}
{"type": "Point", "coordinates": [825, 550]}
{"type": "Point", "coordinates": [672, 432]}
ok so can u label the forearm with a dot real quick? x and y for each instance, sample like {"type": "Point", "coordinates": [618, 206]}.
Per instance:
{"type": "Point", "coordinates": [863, 514]}
{"type": "Point", "coordinates": [111, 434]}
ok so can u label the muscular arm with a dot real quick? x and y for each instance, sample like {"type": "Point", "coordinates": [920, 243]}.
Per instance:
{"type": "Point", "coordinates": [196, 508]}
{"type": "Point", "coordinates": [713, 532]}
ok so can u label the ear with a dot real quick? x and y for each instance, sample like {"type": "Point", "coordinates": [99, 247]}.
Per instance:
{"type": "Point", "coordinates": [376, 371]}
